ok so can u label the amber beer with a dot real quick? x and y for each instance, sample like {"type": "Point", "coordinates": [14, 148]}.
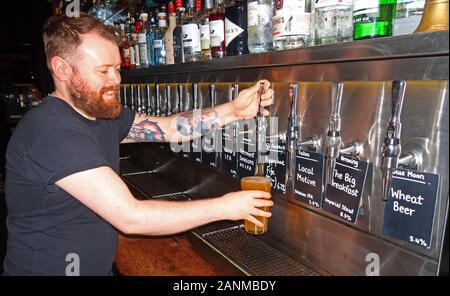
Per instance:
{"type": "Point", "coordinates": [262, 184]}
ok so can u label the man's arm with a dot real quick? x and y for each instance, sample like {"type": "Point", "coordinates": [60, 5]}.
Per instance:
{"type": "Point", "coordinates": [102, 190]}
{"type": "Point", "coordinates": [190, 125]}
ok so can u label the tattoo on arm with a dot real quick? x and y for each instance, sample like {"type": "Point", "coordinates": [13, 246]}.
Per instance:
{"type": "Point", "coordinates": [146, 131]}
{"type": "Point", "coordinates": [197, 123]}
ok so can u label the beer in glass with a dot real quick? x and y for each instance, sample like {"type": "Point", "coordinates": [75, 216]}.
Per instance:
{"type": "Point", "coordinates": [262, 184]}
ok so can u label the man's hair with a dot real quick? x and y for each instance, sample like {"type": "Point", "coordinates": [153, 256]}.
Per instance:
{"type": "Point", "coordinates": [62, 35]}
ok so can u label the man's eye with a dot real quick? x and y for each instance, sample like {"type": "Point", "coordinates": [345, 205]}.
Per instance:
{"type": "Point", "coordinates": [104, 71]}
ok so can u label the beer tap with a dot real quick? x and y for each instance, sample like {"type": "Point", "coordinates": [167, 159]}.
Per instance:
{"type": "Point", "coordinates": [391, 147]}
{"type": "Point", "coordinates": [261, 134]}
{"type": "Point", "coordinates": [168, 101]}
{"type": "Point", "coordinates": [334, 141]}
{"type": "Point", "coordinates": [138, 98]}
{"type": "Point", "coordinates": [157, 101]}
{"type": "Point", "coordinates": [125, 99]}
{"type": "Point", "coordinates": [180, 96]}
{"type": "Point", "coordinates": [132, 97]}
{"type": "Point", "coordinates": [149, 100]}
{"type": "Point", "coordinates": [292, 134]}
{"type": "Point", "coordinates": [195, 96]}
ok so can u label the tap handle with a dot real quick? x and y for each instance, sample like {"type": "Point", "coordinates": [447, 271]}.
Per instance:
{"type": "Point", "coordinates": [139, 98]}
{"type": "Point", "coordinates": [149, 98]}
{"type": "Point", "coordinates": [212, 94]}
{"type": "Point", "coordinates": [125, 96]}
{"type": "Point", "coordinates": [195, 95]}
{"type": "Point", "coordinates": [398, 95]}
{"type": "Point", "coordinates": [293, 123]}
{"type": "Point", "coordinates": [168, 101]}
{"type": "Point", "coordinates": [180, 98]}
{"type": "Point", "coordinates": [235, 91]}
{"type": "Point", "coordinates": [157, 101]}
{"type": "Point", "coordinates": [338, 90]}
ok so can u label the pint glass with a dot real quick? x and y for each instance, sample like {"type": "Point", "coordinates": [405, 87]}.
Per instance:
{"type": "Point", "coordinates": [256, 183]}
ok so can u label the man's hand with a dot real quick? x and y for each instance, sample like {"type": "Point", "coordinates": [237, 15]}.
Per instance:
{"type": "Point", "coordinates": [243, 205]}
{"type": "Point", "coordinates": [249, 101]}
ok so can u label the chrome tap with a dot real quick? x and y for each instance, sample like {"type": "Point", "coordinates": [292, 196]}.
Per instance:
{"type": "Point", "coordinates": [168, 101]}
{"type": "Point", "coordinates": [180, 96]}
{"type": "Point", "coordinates": [261, 130]}
{"type": "Point", "coordinates": [125, 99]}
{"type": "Point", "coordinates": [157, 101]}
{"type": "Point", "coordinates": [148, 100]}
{"type": "Point", "coordinates": [391, 148]}
{"type": "Point", "coordinates": [132, 106]}
{"type": "Point", "coordinates": [212, 94]}
{"type": "Point", "coordinates": [195, 96]}
{"type": "Point", "coordinates": [138, 98]}
{"type": "Point", "coordinates": [333, 140]}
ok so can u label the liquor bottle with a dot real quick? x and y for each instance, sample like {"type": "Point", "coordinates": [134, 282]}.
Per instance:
{"type": "Point", "coordinates": [134, 40]}
{"type": "Point", "coordinates": [143, 42]}
{"type": "Point", "coordinates": [372, 19]}
{"type": "Point", "coordinates": [408, 16]}
{"type": "Point", "coordinates": [204, 30]}
{"type": "Point", "coordinates": [168, 36]}
{"type": "Point", "coordinates": [151, 34]}
{"type": "Point", "coordinates": [292, 23]}
{"type": "Point", "coordinates": [217, 30]}
{"type": "Point", "coordinates": [259, 25]}
{"type": "Point", "coordinates": [333, 21]}
{"type": "Point", "coordinates": [191, 35]}
{"type": "Point", "coordinates": [178, 52]}
{"type": "Point", "coordinates": [132, 35]}
{"type": "Point", "coordinates": [159, 44]}
{"type": "Point", "coordinates": [125, 52]}
{"type": "Point", "coordinates": [236, 28]}
{"type": "Point", "coordinates": [435, 16]}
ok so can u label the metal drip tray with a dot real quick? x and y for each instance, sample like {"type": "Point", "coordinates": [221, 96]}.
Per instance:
{"type": "Point", "coordinates": [128, 168]}
{"type": "Point", "coordinates": [149, 185]}
{"type": "Point", "coordinates": [253, 255]}
{"type": "Point", "coordinates": [215, 226]}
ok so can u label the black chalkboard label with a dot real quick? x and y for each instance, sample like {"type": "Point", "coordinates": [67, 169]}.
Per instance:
{"type": "Point", "coordinates": [309, 178]}
{"type": "Point", "coordinates": [410, 207]}
{"type": "Point", "coordinates": [275, 165]}
{"type": "Point", "coordinates": [196, 150]}
{"type": "Point", "coordinates": [229, 158]}
{"type": "Point", "coordinates": [246, 152]}
{"type": "Point", "coordinates": [208, 149]}
{"type": "Point", "coordinates": [343, 195]}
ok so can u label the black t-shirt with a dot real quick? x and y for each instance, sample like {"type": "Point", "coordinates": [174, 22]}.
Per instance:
{"type": "Point", "coordinates": [48, 229]}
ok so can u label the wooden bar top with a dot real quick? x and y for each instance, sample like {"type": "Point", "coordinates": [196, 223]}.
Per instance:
{"type": "Point", "coordinates": [163, 256]}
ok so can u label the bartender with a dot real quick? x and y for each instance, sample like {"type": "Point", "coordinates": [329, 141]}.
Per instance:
{"type": "Point", "coordinates": [64, 196]}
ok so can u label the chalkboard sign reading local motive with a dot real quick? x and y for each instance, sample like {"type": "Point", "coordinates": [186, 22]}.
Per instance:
{"type": "Point", "coordinates": [343, 195]}
{"type": "Point", "coordinates": [309, 177]}
{"type": "Point", "coordinates": [409, 210]}
{"type": "Point", "coordinates": [275, 165]}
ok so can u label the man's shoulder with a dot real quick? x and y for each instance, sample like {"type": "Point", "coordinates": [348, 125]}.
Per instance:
{"type": "Point", "coordinates": [50, 115]}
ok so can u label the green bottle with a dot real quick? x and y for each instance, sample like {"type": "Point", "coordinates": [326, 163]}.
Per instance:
{"type": "Point", "coordinates": [373, 18]}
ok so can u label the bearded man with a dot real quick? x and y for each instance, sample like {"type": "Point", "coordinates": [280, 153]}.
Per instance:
{"type": "Point", "coordinates": [64, 196]}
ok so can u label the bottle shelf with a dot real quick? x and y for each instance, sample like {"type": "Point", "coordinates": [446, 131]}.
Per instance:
{"type": "Point", "coordinates": [406, 46]}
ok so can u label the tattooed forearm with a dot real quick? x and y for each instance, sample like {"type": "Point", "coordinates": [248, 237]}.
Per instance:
{"type": "Point", "coordinates": [145, 131]}
{"type": "Point", "coordinates": [197, 123]}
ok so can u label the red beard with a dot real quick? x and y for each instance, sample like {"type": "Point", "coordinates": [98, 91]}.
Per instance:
{"type": "Point", "coordinates": [92, 102]}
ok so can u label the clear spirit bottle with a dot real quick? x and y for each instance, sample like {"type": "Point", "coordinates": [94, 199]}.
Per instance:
{"type": "Point", "coordinates": [191, 35]}
{"type": "Point", "coordinates": [259, 25]}
{"type": "Point", "coordinates": [159, 44]}
{"type": "Point", "coordinates": [333, 21]}
{"type": "Point", "coordinates": [292, 23]}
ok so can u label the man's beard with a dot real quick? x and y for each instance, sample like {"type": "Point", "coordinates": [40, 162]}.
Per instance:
{"type": "Point", "coordinates": [92, 102]}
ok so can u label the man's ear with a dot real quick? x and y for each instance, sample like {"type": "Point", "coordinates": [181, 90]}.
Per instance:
{"type": "Point", "coordinates": [61, 69]}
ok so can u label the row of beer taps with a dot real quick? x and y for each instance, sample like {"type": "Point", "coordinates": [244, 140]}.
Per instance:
{"type": "Point", "coordinates": [147, 100]}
